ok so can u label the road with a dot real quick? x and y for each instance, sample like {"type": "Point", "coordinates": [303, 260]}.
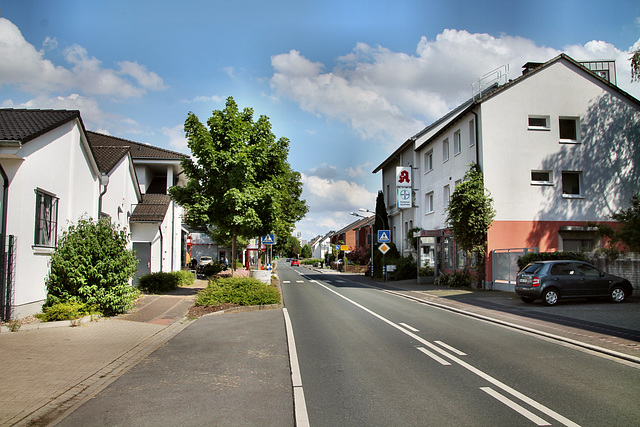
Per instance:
{"type": "Point", "coordinates": [371, 358]}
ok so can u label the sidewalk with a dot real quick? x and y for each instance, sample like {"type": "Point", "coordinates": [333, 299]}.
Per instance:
{"type": "Point", "coordinates": [50, 368]}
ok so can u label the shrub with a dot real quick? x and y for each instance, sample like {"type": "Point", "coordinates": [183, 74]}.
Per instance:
{"type": "Point", "coordinates": [210, 269]}
{"type": "Point", "coordinates": [65, 311]}
{"type": "Point", "coordinates": [457, 279]}
{"type": "Point", "coordinates": [238, 290]}
{"type": "Point", "coordinates": [311, 261]}
{"type": "Point", "coordinates": [405, 268]}
{"type": "Point", "coordinates": [91, 264]}
{"type": "Point", "coordinates": [156, 283]}
{"type": "Point", "coordinates": [550, 256]}
{"type": "Point", "coordinates": [185, 277]}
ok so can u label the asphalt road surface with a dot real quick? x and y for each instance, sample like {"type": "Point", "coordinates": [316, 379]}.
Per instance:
{"type": "Point", "coordinates": [370, 358]}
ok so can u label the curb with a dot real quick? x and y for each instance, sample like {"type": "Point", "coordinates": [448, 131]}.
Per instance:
{"type": "Point", "coordinates": [82, 321]}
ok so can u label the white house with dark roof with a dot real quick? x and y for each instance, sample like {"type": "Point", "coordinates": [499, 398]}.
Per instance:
{"type": "Point", "coordinates": [53, 172]}
{"type": "Point", "coordinates": [558, 146]}
{"type": "Point", "coordinates": [50, 177]}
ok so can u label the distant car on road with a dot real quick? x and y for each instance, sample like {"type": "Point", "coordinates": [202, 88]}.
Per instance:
{"type": "Point", "coordinates": [295, 262]}
{"type": "Point", "coordinates": [552, 280]}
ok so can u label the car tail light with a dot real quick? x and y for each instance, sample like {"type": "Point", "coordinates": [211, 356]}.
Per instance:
{"type": "Point", "coordinates": [535, 282]}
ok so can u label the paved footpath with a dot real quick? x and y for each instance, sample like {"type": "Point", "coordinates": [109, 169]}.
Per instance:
{"type": "Point", "coordinates": [49, 369]}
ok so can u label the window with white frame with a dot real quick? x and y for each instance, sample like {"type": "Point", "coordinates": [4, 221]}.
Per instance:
{"type": "Point", "coordinates": [538, 123]}
{"type": "Point", "coordinates": [569, 129]}
{"type": "Point", "coordinates": [446, 195]}
{"type": "Point", "coordinates": [571, 184]}
{"type": "Point", "coordinates": [445, 150]}
{"type": "Point", "coordinates": [428, 161]}
{"type": "Point", "coordinates": [428, 203]}
{"type": "Point", "coordinates": [457, 143]}
{"type": "Point", "coordinates": [541, 177]}
{"type": "Point", "coordinates": [472, 132]}
{"type": "Point", "coordinates": [46, 219]}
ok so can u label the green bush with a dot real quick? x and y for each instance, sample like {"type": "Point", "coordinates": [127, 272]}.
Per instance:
{"type": "Point", "coordinates": [238, 290]}
{"type": "Point", "coordinates": [457, 279]}
{"type": "Point", "coordinates": [157, 283]}
{"type": "Point", "coordinates": [91, 264]}
{"type": "Point", "coordinates": [550, 256]}
{"type": "Point", "coordinates": [185, 277]}
{"type": "Point", "coordinates": [210, 270]}
{"type": "Point", "coordinates": [65, 311]}
{"type": "Point", "coordinates": [405, 268]}
{"type": "Point", "coordinates": [311, 261]}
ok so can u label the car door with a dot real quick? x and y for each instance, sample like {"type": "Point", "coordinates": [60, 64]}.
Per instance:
{"type": "Point", "coordinates": [595, 284]}
{"type": "Point", "coordinates": [564, 277]}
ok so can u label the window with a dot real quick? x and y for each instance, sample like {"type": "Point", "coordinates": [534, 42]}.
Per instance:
{"type": "Point", "coordinates": [568, 129]}
{"type": "Point", "coordinates": [541, 178]}
{"type": "Point", "coordinates": [446, 195]}
{"type": "Point", "coordinates": [472, 132]}
{"type": "Point", "coordinates": [538, 122]}
{"type": "Point", "coordinates": [46, 219]}
{"type": "Point", "coordinates": [458, 182]}
{"type": "Point", "coordinates": [428, 161]}
{"type": "Point", "coordinates": [428, 203]}
{"type": "Point", "coordinates": [571, 184]}
{"type": "Point", "coordinates": [562, 269]}
{"type": "Point", "coordinates": [445, 150]}
{"type": "Point", "coordinates": [457, 143]}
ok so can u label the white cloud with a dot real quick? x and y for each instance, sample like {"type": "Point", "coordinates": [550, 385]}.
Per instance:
{"type": "Point", "coordinates": [213, 98]}
{"type": "Point", "coordinates": [330, 195]}
{"type": "Point", "coordinates": [388, 96]}
{"type": "Point", "coordinates": [176, 136]}
{"type": "Point", "coordinates": [26, 68]}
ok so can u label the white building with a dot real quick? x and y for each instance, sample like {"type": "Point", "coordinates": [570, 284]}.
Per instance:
{"type": "Point", "coordinates": [558, 147]}
{"type": "Point", "coordinates": [53, 173]}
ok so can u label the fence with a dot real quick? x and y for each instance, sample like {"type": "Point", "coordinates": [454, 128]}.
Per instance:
{"type": "Point", "coordinates": [7, 275]}
{"type": "Point", "coordinates": [627, 265]}
{"type": "Point", "coordinates": [504, 267]}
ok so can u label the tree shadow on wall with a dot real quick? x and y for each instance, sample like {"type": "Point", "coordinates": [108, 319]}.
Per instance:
{"type": "Point", "coordinates": [608, 158]}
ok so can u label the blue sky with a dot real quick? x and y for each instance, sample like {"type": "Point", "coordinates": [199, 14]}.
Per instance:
{"type": "Point", "coordinates": [346, 81]}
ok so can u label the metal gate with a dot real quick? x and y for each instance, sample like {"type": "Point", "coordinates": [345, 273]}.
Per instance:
{"type": "Point", "coordinates": [7, 274]}
{"type": "Point", "coordinates": [504, 267]}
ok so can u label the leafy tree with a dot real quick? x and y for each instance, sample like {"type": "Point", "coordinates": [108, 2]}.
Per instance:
{"type": "Point", "coordinates": [239, 179]}
{"type": "Point", "coordinates": [381, 223]}
{"type": "Point", "coordinates": [306, 251]}
{"type": "Point", "coordinates": [627, 231]}
{"type": "Point", "coordinates": [635, 66]}
{"type": "Point", "coordinates": [469, 215]}
{"type": "Point", "coordinates": [91, 264]}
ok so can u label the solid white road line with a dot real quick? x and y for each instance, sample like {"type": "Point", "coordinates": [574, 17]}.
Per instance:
{"type": "Point", "coordinates": [434, 357]}
{"type": "Point", "coordinates": [513, 405]}
{"type": "Point", "coordinates": [464, 364]}
{"type": "Point", "coordinates": [299, 403]}
{"type": "Point", "coordinates": [448, 347]}
{"type": "Point", "coordinates": [411, 328]}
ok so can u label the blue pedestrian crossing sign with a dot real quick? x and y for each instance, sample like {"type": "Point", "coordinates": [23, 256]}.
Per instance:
{"type": "Point", "coordinates": [384, 236]}
{"type": "Point", "coordinates": [269, 239]}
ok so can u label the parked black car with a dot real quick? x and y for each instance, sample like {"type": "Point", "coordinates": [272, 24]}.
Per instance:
{"type": "Point", "coordinates": [552, 280]}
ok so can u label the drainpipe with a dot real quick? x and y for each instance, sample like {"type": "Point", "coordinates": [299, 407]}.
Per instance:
{"type": "Point", "coordinates": [104, 182]}
{"type": "Point", "coordinates": [5, 197]}
{"type": "Point", "coordinates": [477, 139]}
{"type": "Point", "coordinates": [161, 245]}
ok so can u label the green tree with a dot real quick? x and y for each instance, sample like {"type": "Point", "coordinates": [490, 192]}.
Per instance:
{"type": "Point", "coordinates": [239, 180]}
{"type": "Point", "coordinates": [91, 264]}
{"type": "Point", "coordinates": [627, 231]}
{"type": "Point", "coordinates": [635, 66]}
{"type": "Point", "coordinates": [469, 215]}
{"type": "Point", "coordinates": [306, 251]}
{"type": "Point", "coordinates": [381, 223]}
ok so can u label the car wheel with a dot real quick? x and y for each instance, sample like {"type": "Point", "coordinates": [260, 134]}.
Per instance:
{"type": "Point", "coordinates": [550, 297]}
{"type": "Point", "coordinates": [528, 300]}
{"type": "Point", "coordinates": [617, 294]}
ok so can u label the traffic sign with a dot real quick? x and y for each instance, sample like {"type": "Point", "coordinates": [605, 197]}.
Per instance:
{"type": "Point", "coordinates": [269, 239]}
{"type": "Point", "coordinates": [344, 247]}
{"type": "Point", "coordinates": [384, 236]}
{"type": "Point", "coordinates": [384, 248]}
{"type": "Point", "coordinates": [337, 248]}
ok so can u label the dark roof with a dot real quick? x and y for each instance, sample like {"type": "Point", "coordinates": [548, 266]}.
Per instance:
{"type": "Point", "coordinates": [137, 149]}
{"type": "Point", "coordinates": [152, 209]}
{"type": "Point", "coordinates": [363, 222]}
{"type": "Point", "coordinates": [108, 157]}
{"type": "Point", "coordinates": [24, 125]}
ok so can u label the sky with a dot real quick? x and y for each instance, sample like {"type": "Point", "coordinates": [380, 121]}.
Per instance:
{"type": "Point", "coordinates": [347, 82]}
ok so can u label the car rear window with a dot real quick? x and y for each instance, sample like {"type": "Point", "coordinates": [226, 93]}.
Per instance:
{"type": "Point", "coordinates": [532, 268]}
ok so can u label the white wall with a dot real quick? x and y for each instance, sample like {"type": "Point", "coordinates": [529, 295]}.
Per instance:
{"type": "Point", "coordinates": [58, 164]}
{"type": "Point", "coordinates": [121, 196]}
